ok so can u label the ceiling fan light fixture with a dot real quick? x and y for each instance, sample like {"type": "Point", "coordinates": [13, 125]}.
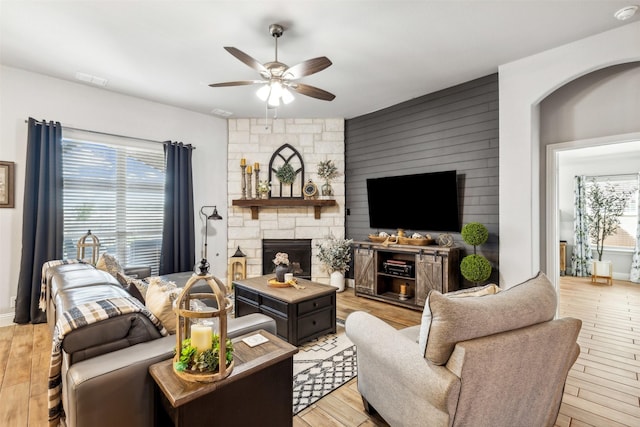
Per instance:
{"type": "Point", "coordinates": [263, 92]}
{"type": "Point", "coordinates": [287, 96]}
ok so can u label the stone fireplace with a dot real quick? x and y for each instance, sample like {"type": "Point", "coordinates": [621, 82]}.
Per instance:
{"type": "Point", "coordinates": [316, 140]}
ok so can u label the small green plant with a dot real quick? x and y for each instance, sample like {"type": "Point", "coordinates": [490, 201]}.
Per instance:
{"type": "Point", "coordinates": [206, 361]}
{"type": "Point", "coordinates": [475, 268]}
{"type": "Point", "coordinates": [327, 170]}
{"type": "Point", "coordinates": [286, 174]}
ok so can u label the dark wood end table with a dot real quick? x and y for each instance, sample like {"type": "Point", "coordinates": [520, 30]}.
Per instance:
{"type": "Point", "coordinates": [258, 390]}
{"type": "Point", "coordinates": [300, 314]}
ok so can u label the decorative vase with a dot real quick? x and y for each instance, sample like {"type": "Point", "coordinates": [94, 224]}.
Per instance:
{"type": "Point", "coordinates": [337, 280]}
{"type": "Point", "coordinates": [326, 189]}
{"type": "Point", "coordinates": [280, 271]}
{"type": "Point", "coordinates": [264, 195]}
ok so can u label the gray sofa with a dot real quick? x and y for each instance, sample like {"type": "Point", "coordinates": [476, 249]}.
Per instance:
{"type": "Point", "coordinates": [493, 360]}
{"type": "Point", "coordinates": [105, 379]}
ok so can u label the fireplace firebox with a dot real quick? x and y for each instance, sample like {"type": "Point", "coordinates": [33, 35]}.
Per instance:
{"type": "Point", "coordinates": [299, 251]}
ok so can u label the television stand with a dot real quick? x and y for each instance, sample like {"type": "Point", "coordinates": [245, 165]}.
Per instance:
{"type": "Point", "coordinates": [404, 274]}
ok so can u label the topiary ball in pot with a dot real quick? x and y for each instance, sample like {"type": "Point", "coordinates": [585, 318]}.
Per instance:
{"type": "Point", "coordinates": [474, 233]}
{"type": "Point", "coordinates": [475, 268]}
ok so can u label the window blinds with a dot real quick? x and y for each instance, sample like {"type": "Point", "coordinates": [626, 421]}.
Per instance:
{"type": "Point", "coordinates": [114, 187]}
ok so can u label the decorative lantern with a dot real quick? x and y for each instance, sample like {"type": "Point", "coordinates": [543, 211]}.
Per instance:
{"type": "Point", "coordinates": [92, 247]}
{"type": "Point", "coordinates": [202, 353]}
{"type": "Point", "coordinates": [237, 267]}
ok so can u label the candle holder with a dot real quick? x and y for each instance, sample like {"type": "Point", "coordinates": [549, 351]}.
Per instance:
{"type": "Point", "coordinates": [243, 181]}
{"type": "Point", "coordinates": [202, 353]}
{"type": "Point", "coordinates": [249, 184]}
{"type": "Point", "coordinates": [257, 171]}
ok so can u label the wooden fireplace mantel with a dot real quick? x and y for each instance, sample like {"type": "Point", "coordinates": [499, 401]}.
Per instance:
{"type": "Point", "coordinates": [256, 204]}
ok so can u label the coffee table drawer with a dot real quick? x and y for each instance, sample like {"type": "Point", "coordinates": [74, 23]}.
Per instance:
{"type": "Point", "coordinates": [274, 305]}
{"type": "Point", "coordinates": [315, 304]}
{"type": "Point", "coordinates": [316, 324]}
{"type": "Point", "coordinates": [245, 293]}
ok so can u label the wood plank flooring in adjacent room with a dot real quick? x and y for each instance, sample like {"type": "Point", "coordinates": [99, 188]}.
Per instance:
{"type": "Point", "coordinates": [603, 388]}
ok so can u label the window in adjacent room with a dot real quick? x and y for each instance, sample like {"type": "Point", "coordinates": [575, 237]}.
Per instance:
{"type": "Point", "coordinates": [114, 186]}
{"type": "Point", "coordinates": [624, 238]}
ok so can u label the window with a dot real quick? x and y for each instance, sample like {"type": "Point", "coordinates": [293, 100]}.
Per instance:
{"type": "Point", "coordinates": [114, 187]}
{"type": "Point", "coordinates": [624, 238]}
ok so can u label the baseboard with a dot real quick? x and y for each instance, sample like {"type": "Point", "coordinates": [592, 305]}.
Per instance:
{"type": "Point", "coordinates": [6, 319]}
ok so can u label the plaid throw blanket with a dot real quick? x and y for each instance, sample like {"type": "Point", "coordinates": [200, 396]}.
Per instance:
{"type": "Point", "coordinates": [77, 317]}
{"type": "Point", "coordinates": [46, 276]}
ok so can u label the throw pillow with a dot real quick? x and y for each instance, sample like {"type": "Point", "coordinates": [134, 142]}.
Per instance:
{"type": "Point", "coordinates": [160, 299]}
{"type": "Point", "coordinates": [127, 282]}
{"type": "Point", "coordinates": [425, 324]}
{"type": "Point", "coordinates": [461, 319]}
{"type": "Point", "coordinates": [110, 264]}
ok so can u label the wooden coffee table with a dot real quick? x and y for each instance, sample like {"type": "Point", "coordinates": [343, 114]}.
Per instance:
{"type": "Point", "coordinates": [300, 314]}
{"type": "Point", "coordinates": [259, 388]}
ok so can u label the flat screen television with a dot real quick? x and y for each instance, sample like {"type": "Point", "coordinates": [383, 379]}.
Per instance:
{"type": "Point", "coordinates": [419, 202]}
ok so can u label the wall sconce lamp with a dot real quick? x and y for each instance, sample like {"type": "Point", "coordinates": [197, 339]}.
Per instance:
{"type": "Point", "coordinates": [213, 216]}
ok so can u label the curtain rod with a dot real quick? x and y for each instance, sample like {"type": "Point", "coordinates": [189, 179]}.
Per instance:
{"type": "Point", "coordinates": [110, 134]}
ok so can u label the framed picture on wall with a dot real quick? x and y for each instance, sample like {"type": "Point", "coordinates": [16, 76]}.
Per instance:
{"type": "Point", "coordinates": [6, 184]}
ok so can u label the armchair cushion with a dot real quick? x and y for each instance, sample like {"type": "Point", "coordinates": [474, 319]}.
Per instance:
{"type": "Point", "coordinates": [460, 319]}
{"type": "Point", "coordinates": [425, 324]}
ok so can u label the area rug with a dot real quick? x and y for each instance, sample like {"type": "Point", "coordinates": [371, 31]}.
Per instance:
{"type": "Point", "coordinates": [321, 366]}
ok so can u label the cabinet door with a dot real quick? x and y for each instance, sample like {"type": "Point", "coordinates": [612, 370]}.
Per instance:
{"type": "Point", "coordinates": [364, 271]}
{"type": "Point", "coordinates": [428, 276]}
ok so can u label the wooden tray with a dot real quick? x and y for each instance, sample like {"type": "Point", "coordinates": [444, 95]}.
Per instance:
{"type": "Point", "coordinates": [377, 239]}
{"type": "Point", "coordinates": [275, 284]}
{"type": "Point", "coordinates": [415, 242]}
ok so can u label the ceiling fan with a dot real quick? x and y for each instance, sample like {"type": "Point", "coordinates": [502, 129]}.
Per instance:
{"type": "Point", "coordinates": [278, 78]}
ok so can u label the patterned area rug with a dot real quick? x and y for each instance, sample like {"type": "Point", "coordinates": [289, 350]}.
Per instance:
{"type": "Point", "coordinates": [321, 366]}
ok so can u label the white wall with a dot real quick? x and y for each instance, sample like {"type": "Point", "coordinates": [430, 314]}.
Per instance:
{"type": "Point", "coordinates": [24, 94]}
{"type": "Point", "coordinates": [523, 84]}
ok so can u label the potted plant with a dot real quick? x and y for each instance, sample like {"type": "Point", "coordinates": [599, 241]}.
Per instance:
{"type": "Point", "coordinates": [263, 189]}
{"type": "Point", "coordinates": [605, 206]}
{"type": "Point", "coordinates": [335, 255]}
{"type": "Point", "coordinates": [281, 261]}
{"type": "Point", "coordinates": [327, 170]}
{"type": "Point", "coordinates": [474, 267]}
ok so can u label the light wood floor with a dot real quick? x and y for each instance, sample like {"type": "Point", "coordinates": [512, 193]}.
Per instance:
{"type": "Point", "coordinates": [603, 387]}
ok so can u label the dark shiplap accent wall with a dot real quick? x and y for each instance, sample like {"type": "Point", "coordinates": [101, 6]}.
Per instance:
{"type": "Point", "coordinates": [456, 128]}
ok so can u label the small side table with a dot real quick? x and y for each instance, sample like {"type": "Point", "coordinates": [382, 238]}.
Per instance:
{"type": "Point", "coordinates": [259, 389]}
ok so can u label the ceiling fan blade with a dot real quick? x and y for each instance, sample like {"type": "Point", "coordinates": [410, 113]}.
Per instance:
{"type": "Point", "coordinates": [238, 83]}
{"type": "Point", "coordinates": [248, 60]}
{"type": "Point", "coordinates": [307, 68]}
{"type": "Point", "coordinates": [312, 91]}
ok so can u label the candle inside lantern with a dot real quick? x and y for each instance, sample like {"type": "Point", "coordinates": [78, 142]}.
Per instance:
{"type": "Point", "coordinates": [243, 161]}
{"type": "Point", "coordinates": [201, 337]}
{"type": "Point", "coordinates": [249, 170]}
{"type": "Point", "coordinates": [256, 166]}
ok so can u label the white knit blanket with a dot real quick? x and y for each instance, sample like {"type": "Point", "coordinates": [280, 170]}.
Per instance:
{"type": "Point", "coordinates": [78, 317]}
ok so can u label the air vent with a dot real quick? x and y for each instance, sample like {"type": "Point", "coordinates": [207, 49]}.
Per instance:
{"type": "Point", "coordinates": [221, 113]}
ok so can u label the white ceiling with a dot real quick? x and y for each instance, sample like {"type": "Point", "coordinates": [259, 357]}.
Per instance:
{"type": "Point", "coordinates": [383, 52]}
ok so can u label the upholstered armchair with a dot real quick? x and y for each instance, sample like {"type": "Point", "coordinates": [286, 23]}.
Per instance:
{"type": "Point", "coordinates": [481, 357]}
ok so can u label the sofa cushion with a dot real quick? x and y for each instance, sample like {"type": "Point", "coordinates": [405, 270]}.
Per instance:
{"type": "Point", "coordinates": [110, 264]}
{"type": "Point", "coordinates": [425, 324]}
{"type": "Point", "coordinates": [460, 319]}
{"type": "Point", "coordinates": [136, 287]}
{"type": "Point", "coordinates": [160, 298]}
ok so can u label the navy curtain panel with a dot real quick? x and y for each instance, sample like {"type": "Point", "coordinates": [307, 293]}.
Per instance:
{"type": "Point", "coordinates": [178, 235]}
{"type": "Point", "coordinates": [42, 233]}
